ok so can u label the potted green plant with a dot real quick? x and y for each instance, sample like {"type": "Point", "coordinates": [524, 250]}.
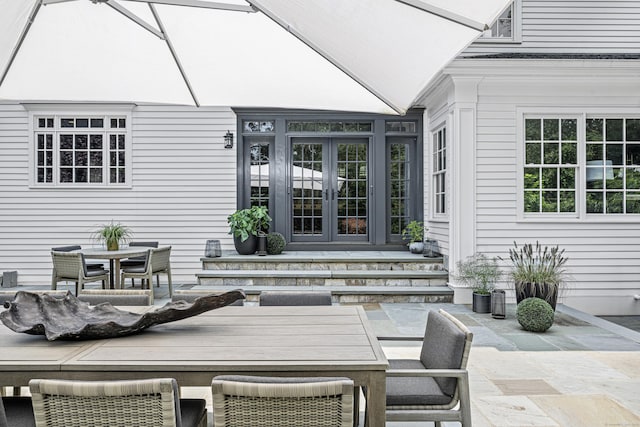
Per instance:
{"type": "Point", "coordinates": [112, 234]}
{"type": "Point", "coordinates": [245, 226]}
{"type": "Point", "coordinates": [414, 232]}
{"type": "Point", "coordinates": [537, 271]}
{"type": "Point", "coordinates": [481, 274]}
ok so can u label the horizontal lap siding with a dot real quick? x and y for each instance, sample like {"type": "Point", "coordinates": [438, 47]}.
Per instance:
{"type": "Point", "coordinates": [183, 188]}
{"type": "Point", "coordinates": [574, 26]}
{"type": "Point", "coordinates": [604, 257]}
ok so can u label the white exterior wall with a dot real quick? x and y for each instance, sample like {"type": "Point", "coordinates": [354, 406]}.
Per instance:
{"type": "Point", "coordinates": [574, 26]}
{"type": "Point", "coordinates": [603, 251]}
{"type": "Point", "coordinates": [183, 188]}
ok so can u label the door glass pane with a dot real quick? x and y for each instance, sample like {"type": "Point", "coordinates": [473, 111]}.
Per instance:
{"type": "Point", "coordinates": [259, 161]}
{"type": "Point", "coordinates": [351, 188]}
{"type": "Point", "coordinates": [398, 187]}
{"type": "Point", "coordinates": [307, 189]}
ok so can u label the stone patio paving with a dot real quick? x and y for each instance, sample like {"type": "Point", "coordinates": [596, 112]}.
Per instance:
{"type": "Point", "coordinates": [583, 372]}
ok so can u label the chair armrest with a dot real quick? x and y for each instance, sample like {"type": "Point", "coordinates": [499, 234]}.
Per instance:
{"type": "Point", "coordinates": [400, 338]}
{"type": "Point", "coordinates": [449, 373]}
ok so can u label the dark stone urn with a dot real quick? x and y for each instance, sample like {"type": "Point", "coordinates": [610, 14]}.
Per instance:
{"type": "Point", "coordinates": [248, 247]}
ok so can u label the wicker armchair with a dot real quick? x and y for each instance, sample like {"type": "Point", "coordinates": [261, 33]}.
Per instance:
{"type": "Point", "coordinates": [157, 261]}
{"type": "Point", "coordinates": [71, 267]}
{"type": "Point", "coordinates": [70, 248]}
{"type": "Point", "coordinates": [140, 403]}
{"type": "Point", "coordinates": [282, 402]}
{"type": "Point", "coordinates": [138, 261]}
{"type": "Point", "coordinates": [16, 412]}
{"type": "Point", "coordinates": [436, 387]}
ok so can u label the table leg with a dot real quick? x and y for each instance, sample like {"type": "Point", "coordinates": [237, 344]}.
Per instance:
{"type": "Point", "coordinates": [111, 275]}
{"type": "Point", "coordinates": [116, 270]}
{"type": "Point", "coordinates": [376, 400]}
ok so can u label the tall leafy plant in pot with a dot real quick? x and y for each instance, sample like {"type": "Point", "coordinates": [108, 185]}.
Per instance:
{"type": "Point", "coordinates": [537, 271]}
{"type": "Point", "coordinates": [414, 232]}
{"type": "Point", "coordinates": [481, 274]}
{"type": "Point", "coordinates": [246, 225]}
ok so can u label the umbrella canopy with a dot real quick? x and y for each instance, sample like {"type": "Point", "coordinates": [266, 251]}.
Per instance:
{"type": "Point", "coordinates": [358, 55]}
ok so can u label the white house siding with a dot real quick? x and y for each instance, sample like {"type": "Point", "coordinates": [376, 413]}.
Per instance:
{"type": "Point", "coordinates": [576, 26]}
{"type": "Point", "coordinates": [603, 252]}
{"type": "Point", "coordinates": [183, 188]}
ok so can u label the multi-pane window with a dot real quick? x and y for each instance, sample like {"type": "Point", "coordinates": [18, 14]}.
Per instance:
{"type": "Point", "coordinates": [440, 171]}
{"type": "Point", "coordinates": [592, 162]}
{"type": "Point", "coordinates": [612, 165]}
{"type": "Point", "coordinates": [503, 29]}
{"type": "Point", "coordinates": [551, 165]}
{"type": "Point", "coordinates": [80, 150]}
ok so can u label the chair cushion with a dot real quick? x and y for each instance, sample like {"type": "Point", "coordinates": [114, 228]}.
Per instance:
{"type": "Point", "coordinates": [192, 411]}
{"type": "Point", "coordinates": [442, 348]}
{"type": "Point", "coordinates": [415, 391]}
{"type": "Point", "coordinates": [134, 269]}
{"type": "Point", "coordinates": [132, 262]}
{"type": "Point", "coordinates": [268, 298]}
{"type": "Point", "coordinates": [94, 273]}
{"type": "Point", "coordinates": [19, 411]}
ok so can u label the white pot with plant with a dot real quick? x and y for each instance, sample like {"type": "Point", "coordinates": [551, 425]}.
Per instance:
{"type": "Point", "coordinates": [414, 232]}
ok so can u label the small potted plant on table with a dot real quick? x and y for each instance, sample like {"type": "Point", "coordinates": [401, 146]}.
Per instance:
{"type": "Point", "coordinates": [481, 274]}
{"type": "Point", "coordinates": [112, 235]}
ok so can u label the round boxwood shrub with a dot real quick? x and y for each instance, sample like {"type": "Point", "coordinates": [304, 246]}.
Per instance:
{"type": "Point", "coordinates": [275, 243]}
{"type": "Point", "coordinates": [535, 314]}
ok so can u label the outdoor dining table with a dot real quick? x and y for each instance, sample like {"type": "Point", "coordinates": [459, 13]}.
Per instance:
{"type": "Point", "coordinates": [114, 258]}
{"type": "Point", "coordinates": [307, 341]}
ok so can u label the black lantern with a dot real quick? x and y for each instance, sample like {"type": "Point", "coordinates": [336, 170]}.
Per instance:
{"type": "Point", "coordinates": [498, 308]}
{"type": "Point", "coordinates": [228, 140]}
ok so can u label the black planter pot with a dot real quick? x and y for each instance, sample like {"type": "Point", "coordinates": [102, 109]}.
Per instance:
{"type": "Point", "coordinates": [544, 291]}
{"type": "Point", "coordinates": [481, 303]}
{"type": "Point", "coordinates": [248, 247]}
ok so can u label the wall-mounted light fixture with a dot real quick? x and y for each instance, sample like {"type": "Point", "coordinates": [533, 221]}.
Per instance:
{"type": "Point", "coordinates": [228, 140]}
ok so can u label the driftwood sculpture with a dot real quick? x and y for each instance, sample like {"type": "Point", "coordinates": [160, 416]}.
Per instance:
{"type": "Point", "coordinates": [72, 319]}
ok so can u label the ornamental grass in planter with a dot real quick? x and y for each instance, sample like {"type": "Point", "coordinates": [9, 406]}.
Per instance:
{"type": "Point", "coordinates": [112, 235]}
{"type": "Point", "coordinates": [537, 271]}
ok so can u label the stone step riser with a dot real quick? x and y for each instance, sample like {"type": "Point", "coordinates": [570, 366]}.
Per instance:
{"type": "Point", "coordinates": [306, 281]}
{"type": "Point", "coordinates": [372, 299]}
{"type": "Point", "coordinates": [320, 266]}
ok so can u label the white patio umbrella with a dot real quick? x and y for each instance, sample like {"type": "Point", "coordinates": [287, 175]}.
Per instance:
{"type": "Point", "coordinates": [362, 55]}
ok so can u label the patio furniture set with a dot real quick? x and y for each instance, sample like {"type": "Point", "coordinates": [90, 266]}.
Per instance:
{"type": "Point", "coordinates": [141, 260]}
{"type": "Point", "coordinates": [294, 360]}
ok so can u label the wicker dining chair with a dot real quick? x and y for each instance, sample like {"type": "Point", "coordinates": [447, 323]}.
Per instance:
{"type": "Point", "coordinates": [16, 411]}
{"type": "Point", "coordinates": [138, 261]}
{"type": "Point", "coordinates": [243, 401]}
{"type": "Point", "coordinates": [140, 403]}
{"type": "Point", "coordinates": [157, 261]}
{"type": "Point", "coordinates": [71, 267]}
{"type": "Point", "coordinates": [436, 386]}
{"type": "Point", "coordinates": [70, 248]}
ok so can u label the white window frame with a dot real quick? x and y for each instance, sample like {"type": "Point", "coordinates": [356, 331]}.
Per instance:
{"type": "Point", "coordinates": [436, 172]}
{"type": "Point", "coordinates": [516, 26]}
{"type": "Point", "coordinates": [37, 111]}
{"type": "Point", "coordinates": [581, 115]}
